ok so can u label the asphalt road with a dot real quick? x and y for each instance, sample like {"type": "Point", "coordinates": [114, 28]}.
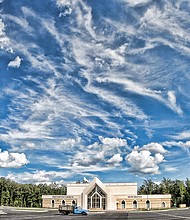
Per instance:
{"type": "Point", "coordinates": [12, 214]}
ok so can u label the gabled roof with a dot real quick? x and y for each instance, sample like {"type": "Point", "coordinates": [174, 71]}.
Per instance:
{"type": "Point", "coordinates": [94, 182]}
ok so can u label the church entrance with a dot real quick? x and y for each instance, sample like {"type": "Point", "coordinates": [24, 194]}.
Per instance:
{"type": "Point", "coordinates": [96, 198]}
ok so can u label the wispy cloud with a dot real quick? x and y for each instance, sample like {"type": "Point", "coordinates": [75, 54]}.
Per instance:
{"type": "Point", "coordinates": [170, 169]}
{"type": "Point", "coordinates": [91, 81]}
{"type": "Point", "coordinates": [172, 102]}
{"type": "Point", "coordinates": [126, 107]}
{"type": "Point", "coordinates": [184, 145]}
{"type": "Point", "coordinates": [43, 176]}
{"type": "Point", "coordinates": [158, 19]}
{"type": "Point", "coordinates": [4, 39]}
{"type": "Point", "coordinates": [143, 91]}
{"type": "Point", "coordinates": [181, 135]}
{"type": "Point", "coordinates": [38, 176]}
{"type": "Point", "coordinates": [136, 2]}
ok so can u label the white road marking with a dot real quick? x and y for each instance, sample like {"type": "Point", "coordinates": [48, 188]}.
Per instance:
{"type": "Point", "coordinates": [2, 212]}
{"type": "Point", "coordinates": [175, 216]}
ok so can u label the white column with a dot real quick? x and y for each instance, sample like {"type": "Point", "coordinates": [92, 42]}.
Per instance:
{"type": "Point", "coordinates": [85, 201]}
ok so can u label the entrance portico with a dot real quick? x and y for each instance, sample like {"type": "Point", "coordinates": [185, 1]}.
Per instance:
{"type": "Point", "coordinates": [95, 196]}
{"type": "Point", "coordinates": [96, 199]}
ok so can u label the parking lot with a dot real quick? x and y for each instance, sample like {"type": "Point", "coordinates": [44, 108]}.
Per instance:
{"type": "Point", "coordinates": [13, 214]}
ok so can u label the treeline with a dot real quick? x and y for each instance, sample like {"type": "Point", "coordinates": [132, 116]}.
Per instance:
{"type": "Point", "coordinates": [179, 190]}
{"type": "Point", "coordinates": [30, 195]}
{"type": "Point", "coordinates": [26, 195]}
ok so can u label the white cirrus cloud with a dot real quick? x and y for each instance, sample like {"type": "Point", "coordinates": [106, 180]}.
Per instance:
{"type": "Point", "coordinates": [136, 2]}
{"type": "Point", "coordinates": [170, 169]}
{"type": "Point", "coordinates": [128, 108]}
{"type": "Point", "coordinates": [45, 177]}
{"type": "Point", "coordinates": [38, 176]}
{"type": "Point", "coordinates": [144, 162]}
{"type": "Point", "coordinates": [172, 102]}
{"type": "Point", "coordinates": [12, 160]}
{"type": "Point", "coordinates": [139, 88]}
{"type": "Point", "coordinates": [2, 28]}
{"type": "Point", "coordinates": [61, 3]}
{"type": "Point", "coordinates": [182, 135]}
{"type": "Point", "coordinates": [158, 19]}
{"type": "Point", "coordinates": [4, 40]}
{"type": "Point", "coordinates": [15, 63]}
{"type": "Point", "coordinates": [185, 145]}
{"type": "Point", "coordinates": [66, 12]}
{"type": "Point", "coordinates": [71, 142]}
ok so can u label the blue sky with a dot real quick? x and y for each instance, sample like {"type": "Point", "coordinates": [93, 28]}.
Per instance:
{"type": "Point", "coordinates": [94, 88]}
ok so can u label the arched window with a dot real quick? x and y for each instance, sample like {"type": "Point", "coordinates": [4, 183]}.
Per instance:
{"type": "Point", "coordinates": [117, 205]}
{"type": "Point", "coordinates": [73, 202]}
{"type": "Point", "coordinates": [96, 201]}
{"type": "Point", "coordinates": [163, 205]}
{"type": "Point", "coordinates": [148, 204]}
{"type": "Point", "coordinates": [52, 203]}
{"type": "Point", "coordinates": [63, 202]}
{"type": "Point", "coordinates": [123, 204]}
{"type": "Point", "coordinates": [134, 204]}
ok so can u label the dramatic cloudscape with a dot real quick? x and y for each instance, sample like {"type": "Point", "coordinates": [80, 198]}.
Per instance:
{"type": "Point", "coordinates": [94, 88]}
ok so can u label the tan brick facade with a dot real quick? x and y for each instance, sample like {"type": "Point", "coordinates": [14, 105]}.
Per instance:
{"type": "Point", "coordinates": [143, 202]}
{"type": "Point", "coordinates": [53, 201]}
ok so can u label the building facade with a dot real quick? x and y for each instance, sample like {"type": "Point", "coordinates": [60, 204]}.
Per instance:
{"type": "Point", "coordinates": [106, 196]}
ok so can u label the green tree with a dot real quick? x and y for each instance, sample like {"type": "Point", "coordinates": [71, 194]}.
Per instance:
{"type": "Point", "coordinates": [148, 187]}
{"type": "Point", "coordinates": [26, 195]}
{"type": "Point", "coordinates": [187, 193]}
{"type": "Point", "coordinates": [178, 192]}
{"type": "Point", "coordinates": [165, 186]}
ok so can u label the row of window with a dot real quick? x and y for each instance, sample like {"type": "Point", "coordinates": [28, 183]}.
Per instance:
{"type": "Point", "coordinates": [135, 204]}
{"type": "Point", "coordinates": [62, 203]}
{"type": "Point", "coordinates": [96, 204]}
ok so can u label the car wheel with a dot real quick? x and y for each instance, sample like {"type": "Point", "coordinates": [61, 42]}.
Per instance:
{"type": "Point", "coordinates": [84, 213]}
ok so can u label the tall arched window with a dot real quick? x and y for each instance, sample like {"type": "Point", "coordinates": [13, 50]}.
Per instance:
{"type": "Point", "coordinates": [63, 202]}
{"type": "Point", "coordinates": [148, 204]}
{"type": "Point", "coordinates": [52, 203]}
{"type": "Point", "coordinates": [117, 205]}
{"type": "Point", "coordinates": [134, 204]}
{"type": "Point", "coordinates": [73, 202]}
{"type": "Point", "coordinates": [163, 205]}
{"type": "Point", "coordinates": [123, 204]}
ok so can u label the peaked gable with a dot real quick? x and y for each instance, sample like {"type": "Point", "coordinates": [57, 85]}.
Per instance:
{"type": "Point", "coordinates": [92, 184]}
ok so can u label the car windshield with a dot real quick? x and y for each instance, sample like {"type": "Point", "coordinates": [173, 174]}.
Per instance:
{"type": "Point", "coordinates": [78, 207]}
